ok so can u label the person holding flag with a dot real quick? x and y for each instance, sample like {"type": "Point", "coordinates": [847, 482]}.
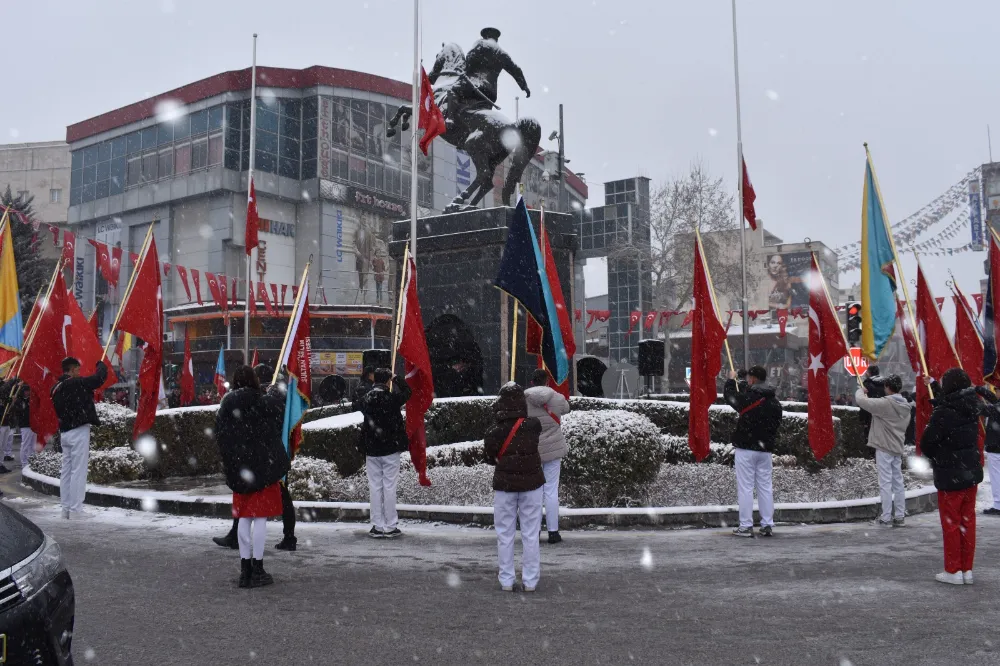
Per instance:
{"type": "Point", "coordinates": [890, 419]}
{"type": "Point", "coordinates": [220, 373]}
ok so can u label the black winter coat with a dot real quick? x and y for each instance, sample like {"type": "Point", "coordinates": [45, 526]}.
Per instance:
{"type": "Point", "coordinates": [383, 431]}
{"type": "Point", "coordinates": [73, 399]}
{"type": "Point", "coordinates": [7, 413]}
{"type": "Point", "coordinates": [519, 469]}
{"type": "Point", "coordinates": [22, 408]}
{"type": "Point", "coordinates": [991, 412]}
{"type": "Point", "coordinates": [248, 432]}
{"type": "Point", "coordinates": [951, 441]}
{"type": "Point", "coordinates": [760, 416]}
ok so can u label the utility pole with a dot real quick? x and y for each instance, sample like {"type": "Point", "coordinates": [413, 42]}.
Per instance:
{"type": "Point", "coordinates": [562, 164]}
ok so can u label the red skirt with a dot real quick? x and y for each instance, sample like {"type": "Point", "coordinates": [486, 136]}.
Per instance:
{"type": "Point", "coordinates": [264, 503]}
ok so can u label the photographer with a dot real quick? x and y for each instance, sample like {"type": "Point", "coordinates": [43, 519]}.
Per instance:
{"type": "Point", "coordinates": [874, 388]}
{"type": "Point", "coordinates": [889, 417]}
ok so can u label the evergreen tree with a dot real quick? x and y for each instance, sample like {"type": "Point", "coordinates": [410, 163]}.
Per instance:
{"type": "Point", "coordinates": [33, 269]}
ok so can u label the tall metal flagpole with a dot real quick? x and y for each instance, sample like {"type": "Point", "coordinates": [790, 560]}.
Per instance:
{"type": "Point", "coordinates": [739, 204]}
{"type": "Point", "coordinates": [253, 142]}
{"type": "Point", "coordinates": [415, 124]}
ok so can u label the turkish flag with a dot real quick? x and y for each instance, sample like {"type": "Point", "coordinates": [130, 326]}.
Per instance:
{"type": "Point", "coordinates": [214, 289]}
{"type": "Point", "coordinates": [969, 347]}
{"type": "Point", "coordinates": [688, 318]}
{"type": "Point", "coordinates": [187, 372]}
{"type": "Point", "coordinates": [782, 321]}
{"type": "Point", "coordinates": [255, 362]}
{"type": "Point", "coordinates": [224, 291]}
{"type": "Point", "coordinates": [650, 318]}
{"type": "Point", "coordinates": [116, 265]}
{"type": "Point", "coordinates": [284, 292]}
{"type": "Point", "coordinates": [633, 319]}
{"type": "Point", "coordinates": [95, 325]}
{"type": "Point", "coordinates": [978, 298]}
{"type": "Point", "coordinates": [142, 315]}
{"type": "Point", "coordinates": [749, 196]}
{"type": "Point", "coordinates": [41, 363]}
{"type": "Point", "coordinates": [103, 261]}
{"type": "Point", "coordinates": [413, 349]}
{"type": "Point", "coordinates": [429, 118]}
{"type": "Point", "coordinates": [166, 269]}
{"type": "Point", "coordinates": [69, 246]}
{"type": "Point", "coordinates": [707, 339]}
{"type": "Point", "coordinates": [274, 296]}
{"type": "Point", "coordinates": [55, 235]}
{"type": "Point", "coordinates": [909, 340]}
{"type": "Point", "coordinates": [253, 219]}
{"type": "Point", "coordinates": [827, 348]}
{"type": "Point", "coordinates": [235, 300]}
{"type": "Point", "coordinates": [82, 342]}
{"type": "Point", "coordinates": [262, 288]}
{"type": "Point", "coordinates": [196, 279]}
{"type": "Point", "coordinates": [182, 272]}
{"type": "Point", "coordinates": [133, 258]}
{"type": "Point", "coordinates": [295, 292]}
{"type": "Point", "coordinates": [938, 352]}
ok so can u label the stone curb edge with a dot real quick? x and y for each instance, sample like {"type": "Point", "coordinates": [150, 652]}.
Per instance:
{"type": "Point", "coordinates": [922, 500]}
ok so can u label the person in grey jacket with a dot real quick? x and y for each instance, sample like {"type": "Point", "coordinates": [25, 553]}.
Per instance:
{"type": "Point", "coordinates": [890, 419]}
{"type": "Point", "coordinates": [548, 406]}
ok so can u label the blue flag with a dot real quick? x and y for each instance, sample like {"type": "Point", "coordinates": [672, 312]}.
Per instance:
{"type": "Point", "coordinates": [878, 279]}
{"type": "Point", "coordinates": [522, 276]}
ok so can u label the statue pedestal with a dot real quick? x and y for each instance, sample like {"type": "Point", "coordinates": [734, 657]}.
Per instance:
{"type": "Point", "coordinates": [457, 259]}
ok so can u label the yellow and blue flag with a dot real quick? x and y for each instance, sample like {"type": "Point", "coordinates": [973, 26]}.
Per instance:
{"type": "Point", "coordinates": [11, 325]}
{"type": "Point", "coordinates": [878, 278]}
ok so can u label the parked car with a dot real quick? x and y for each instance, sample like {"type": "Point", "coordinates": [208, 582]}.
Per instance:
{"type": "Point", "coordinates": [37, 605]}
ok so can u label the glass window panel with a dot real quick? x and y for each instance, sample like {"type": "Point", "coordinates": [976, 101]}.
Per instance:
{"type": "Point", "coordinates": [76, 196]}
{"type": "Point", "coordinates": [405, 185]}
{"type": "Point", "coordinates": [289, 107]}
{"type": "Point", "coordinates": [182, 128]}
{"type": "Point", "coordinates": [199, 122]}
{"type": "Point", "coordinates": [267, 141]}
{"type": "Point", "coordinates": [376, 146]}
{"type": "Point", "coordinates": [117, 147]}
{"type": "Point", "coordinates": [148, 167]}
{"type": "Point", "coordinates": [103, 190]}
{"type": "Point", "coordinates": [90, 175]}
{"type": "Point", "coordinates": [164, 133]}
{"type": "Point", "coordinates": [134, 173]}
{"type": "Point", "coordinates": [231, 160]}
{"type": "Point", "coordinates": [76, 178]}
{"type": "Point", "coordinates": [182, 158]}
{"type": "Point", "coordinates": [104, 152]}
{"type": "Point", "coordinates": [166, 159]}
{"type": "Point", "coordinates": [90, 154]}
{"type": "Point", "coordinates": [308, 169]}
{"type": "Point", "coordinates": [289, 168]}
{"type": "Point", "coordinates": [76, 160]}
{"type": "Point", "coordinates": [233, 115]}
{"type": "Point", "coordinates": [359, 106]}
{"type": "Point", "coordinates": [117, 174]}
{"type": "Point", "coordinates": [244, 159]}
{"type": "Point", "coordinates": [103, 171]}
{"type": "Point", "coordinates": [148, 137]}
{"type": "Point", "coordinates": [89, 193]}
{"type": "Point", "coordinates": [215, 115]}
{"type": "Point", "coordinates": [309, 148]}
{"type": "Point", "coordinates": [380, 176]}
{"type": "Point", "coordinates": [233, 138]}
{"type": "Point", "coordinates": [338, 165]}
{"type": "Point", "coordinates": [376, 116]}
{"type": "Point", "coordinates": [214, 149]}
{"type": "Point", "coordinates": [199, 154]}
{"type": "Point", "coordinates": [371, 173]}
{"type": "Point", "coordinates": [267, 120]}
{"type": "Point", "coordinates": [266, 162]}
{"type": "Point", "coordinates": [341, 123]}
{"type": "Point", "coordinates": [290, 127]}
{"type": "Point", "coordinates": [424, 162]}
{"type": "Point", "coordinates": [289, 148]}
{"type": "Point", "coordinates": [393, 152]}
{"type": "Point", "coordinates": [359, 142]}
{"type": "Point", "coordinates": [358, 170]}
{"type": "Point", "coordinates": [134, 142]}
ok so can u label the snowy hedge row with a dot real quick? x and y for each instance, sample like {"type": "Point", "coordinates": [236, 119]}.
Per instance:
{"type": "Point", "coordinates": [105, 466]}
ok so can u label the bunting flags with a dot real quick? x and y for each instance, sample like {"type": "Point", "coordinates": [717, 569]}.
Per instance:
{"type": "Point", "coordinates": [413, 348]}
{"type": "Point", "coordinates": [827, 348]}
{"type": "Point", "coordinates": [182, 272]}
{"type": "Point", "coordinates": [196, 280]}
{"type": "Point", "coordinates": [707, 340]}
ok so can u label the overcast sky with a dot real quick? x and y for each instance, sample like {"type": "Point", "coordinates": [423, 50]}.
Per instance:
{"type": "Point", "coordinates": [647, 85]}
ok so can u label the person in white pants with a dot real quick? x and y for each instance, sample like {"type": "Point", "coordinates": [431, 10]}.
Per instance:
{"type": "Point", "coordinates": [73, 399]}
{"type": "Point", "coordinates": [512, 446]}
{"type": "Point", "coordinates": [28, 443]}
{"type": "Point", "coordinates": [756, 430]}
{"type": "Point", "coordinates": [382, 439]}
{"type": "Point", "coordinates": [992, 447]}
{"type": "Point", "coordinates": [548, 406]}
{"type": "Point", "coordinates": [890, 419]}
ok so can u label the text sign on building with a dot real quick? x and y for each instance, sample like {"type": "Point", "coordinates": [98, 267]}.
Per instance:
{"type": "Point", "coordinates": [975, 215]}
{"type": "Point", "coordinates": [463, 171]}
{"type": "Point", "coordinates": [277, 228]}
{"type": "Point", "coordinates": [376, 202]}
{"type": "Point", "coordinates": [325, 136]}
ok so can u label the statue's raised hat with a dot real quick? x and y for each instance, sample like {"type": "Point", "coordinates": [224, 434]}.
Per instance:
{"type": "Point", "coordinates": [490, 33]}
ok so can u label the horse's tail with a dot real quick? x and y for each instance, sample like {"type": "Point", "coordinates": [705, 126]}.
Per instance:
{"type": "Point", "coordinates": [531, 135]}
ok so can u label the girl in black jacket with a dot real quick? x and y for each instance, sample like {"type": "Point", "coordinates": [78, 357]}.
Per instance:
{"type": "Point", "coordinates": [951, 443]}
{"type": "Point", "coordinates": [248, 431]}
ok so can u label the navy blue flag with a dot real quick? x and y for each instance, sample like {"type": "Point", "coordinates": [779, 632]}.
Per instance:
{"type": "Point", "coordinates": [522, 276]}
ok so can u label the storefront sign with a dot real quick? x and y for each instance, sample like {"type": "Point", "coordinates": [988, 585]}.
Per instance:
{"type": "Point", "coordinates": [337, 363]}
{"type": "Point", "coordinates": [325, 136]}
{"type": "Point", "coordinates": [277, 228]}
{"type": "Point", "coordinates": [463, 171]}
{"type": "Point", "coordinates": [340, 236]}
{"type": "Point", "coordinates": [377, 202]}
{"type": "Point", "coordinates": [976, 215]}
{"type": "Point", "coordinates": [78, 280]}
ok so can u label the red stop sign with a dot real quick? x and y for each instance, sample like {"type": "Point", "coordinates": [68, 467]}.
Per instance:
{"type": "Point", "coordinates": [859, 360]}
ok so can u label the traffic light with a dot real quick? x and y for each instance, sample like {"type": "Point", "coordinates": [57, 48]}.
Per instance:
{"type": "Point", "coordinates": [854, 324]}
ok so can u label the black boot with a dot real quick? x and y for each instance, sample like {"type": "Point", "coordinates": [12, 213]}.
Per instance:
{"type": "Point", "coordinates": [228, 541]}
{"type": "Point", "coordinates": [259, 577]}
{"type": "Point", "coordinates": [287, 543]}
{"type": "Point", "coordinates": [245, 573]}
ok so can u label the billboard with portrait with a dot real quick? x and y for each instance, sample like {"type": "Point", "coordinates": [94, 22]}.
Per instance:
{"type": "Point", "coordinates": [785, 282]}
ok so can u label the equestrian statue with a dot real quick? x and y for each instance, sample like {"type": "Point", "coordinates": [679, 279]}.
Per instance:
{"type": "Point", "coordinates": [465, 90]}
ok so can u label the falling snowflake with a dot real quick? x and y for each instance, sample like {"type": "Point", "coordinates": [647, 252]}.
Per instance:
{"type": "Point", "coordinates": [149, 504]}
{"type": "Point", "coordinates": [772, 95]}
{"type": "Point", "coordinates": [14, 132]}
{"type": "Point", "coordinates": [453, 579]}
{"type": "Point", "coordinates": [169, 110]}
{"type": "Point", "coordinates": [646, 560]}
{"type": "Point", "coordinates": [712, 131]}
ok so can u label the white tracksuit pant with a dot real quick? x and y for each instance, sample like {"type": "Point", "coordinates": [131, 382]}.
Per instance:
{"type": "Point", "coordinates": [383, 474]}
{"type": "Point", "coordinates": [6, 441]}
{"type": "Point", "coordinates": [753, 469]}
{"type": "Point", "coordinates": [993, 465]}
{"type": "Point", "coordinates": [550, 494]}
{"type": "Point", "coordinates": [890, 485]}
{"type": "Point", "coordinates": [28, 441]}
{"type": "Point", "coordinates": [507, 509]}
{"type": "Point", "coordinates": [73, 479]}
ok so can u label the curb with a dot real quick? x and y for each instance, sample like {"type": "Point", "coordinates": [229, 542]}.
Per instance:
{"type": "Point", "coordinates": [921, 500]}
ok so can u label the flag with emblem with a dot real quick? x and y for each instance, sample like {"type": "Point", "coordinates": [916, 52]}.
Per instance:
{"type": "Point", "coordinates": [827, 348]}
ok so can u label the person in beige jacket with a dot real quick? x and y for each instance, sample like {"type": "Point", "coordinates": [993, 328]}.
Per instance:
{"type": "Point", "coordinates": [548, 406]}
{"type": "Point", "coordinates": [890, 418]}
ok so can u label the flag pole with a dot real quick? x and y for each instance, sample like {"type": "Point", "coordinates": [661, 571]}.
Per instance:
{"type": "Point", "coordinates": [513, 342]}
{"type": "Point", "coordinates": [128, 289]}
{"type": "Point", "coordinates": [288, 331]}
{"type": "Point", "coordinates": [399, 309]}
{"type": "Point", "coordinates": [715, 306]}
{"type": "Point", "coordinates": [739, 205]}
{"type": "Point", "coordinates": [415, 120]}
{"type": "Point", "coordinates": [826, 294]}
{"type": "Point", "coordinates": [253, 142]}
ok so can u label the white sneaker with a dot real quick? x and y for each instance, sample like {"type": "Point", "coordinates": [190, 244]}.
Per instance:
{"type": "Point", "coordinates": [967, 577]}
{"type": "Point", "coordinates": [950, 578]}
{"type": "Point", "coordinates": [507, 588]}
{"type": "Point", "coordinates": [528, 589]}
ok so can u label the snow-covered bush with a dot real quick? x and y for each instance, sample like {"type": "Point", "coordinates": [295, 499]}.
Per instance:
{"type": "Point", "coordinates": [116, 427]}
{"type": "Point", "coordinates": [317, 413]}
{"type": "Point", "coordinates": [613, 456]}
{"type": "Point", "coordinates": [335, 438]}
{"type": "Point", "coordinates": [852, 434]}
{"type": "Point", "coordinates": [104, 466]}
{"type": "Point", "coordinates": [185, 442]}
{"type": "Point", "coordinates": [453, 420]}
{"type": "Point", "coordinates": [463, 454]}
{"type": "Point", "coordinates": [677, 450]}
{"type": "Point", "coordinates": [312, 479]}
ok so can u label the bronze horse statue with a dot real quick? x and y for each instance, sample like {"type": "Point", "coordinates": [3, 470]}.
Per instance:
{"type": "Point", "coordinates": [465, 93]}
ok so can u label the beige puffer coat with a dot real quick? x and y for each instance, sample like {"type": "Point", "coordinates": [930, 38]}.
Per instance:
{"type": "Point", "coordinates": [543, 404]}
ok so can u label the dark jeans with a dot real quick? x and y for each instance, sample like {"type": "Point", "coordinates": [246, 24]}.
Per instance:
{"type": "Point", "coordinates": [287, 515]}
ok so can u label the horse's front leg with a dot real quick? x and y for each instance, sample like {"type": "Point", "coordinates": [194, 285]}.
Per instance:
{"type": "Point", "coordinates": [403, 112]}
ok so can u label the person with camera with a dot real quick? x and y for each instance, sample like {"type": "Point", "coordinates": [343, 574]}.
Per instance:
{"type": "Point", "coordinates": [889, 418]}
{"type": "Point", "coordinates": [756, 430]}
{"type": "Point", "coordinates": [382, 440]}
{"type": "Point", "coordinates": [873, 384]}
